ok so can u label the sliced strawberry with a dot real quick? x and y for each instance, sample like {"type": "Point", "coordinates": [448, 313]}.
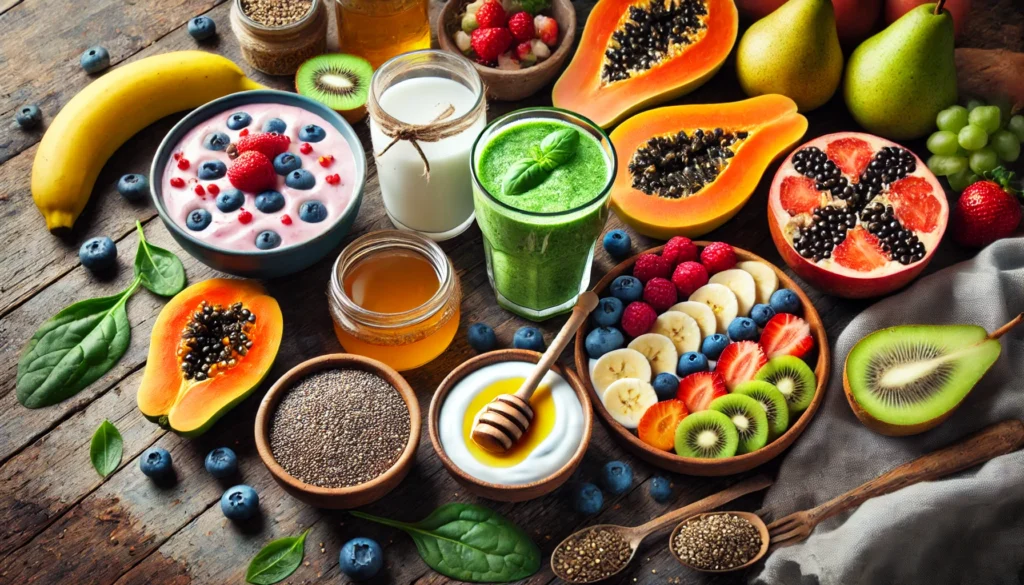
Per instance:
{"type": "Point", "coordinates": [658, 425]}
{"type": "Point", "coordinates": [798, 195]}
{"type": "Point", "coordinates": [698, 390]}
{"type": "Point", "coordinates": [914, 204]}
{"type": "Point", "coordinates": [860, 251]}
{"type": "Point", "coordinates": [739, 363]}
{"type": "Point", "coordinates": [786, 334]}
{"type": "Point", "coordinates": [851, 155]}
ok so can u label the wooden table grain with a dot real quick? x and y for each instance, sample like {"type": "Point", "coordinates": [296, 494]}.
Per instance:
{"type": "Point", "coordinates": [61, 523]}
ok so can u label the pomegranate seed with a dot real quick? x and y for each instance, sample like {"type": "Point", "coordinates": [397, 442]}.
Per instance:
{"type": "Point", "coordinates": [177, 182]}
{"type": "Point", "coordinates": [286, 220]}
{"type": "Point", "coordinates": [306, 148]}
{"type": "Point", "coordinates": [213, 189]}
{"type": "Point", "coordinates": [177, 156]}
{"type": "Point", "coordinates": [183, 163]}
{"type": "Point", "coordinates": [199, 190]}
{"type": "Point", "coordinates": [244, 216]}
{"type": "Point", "coordinates": [244, 132]}
{"type": "Point", "coordinates": [325, 160]}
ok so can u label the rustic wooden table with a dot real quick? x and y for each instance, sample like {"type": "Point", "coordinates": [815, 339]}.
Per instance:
{"type": "Point", "coordinates": [61, 523]}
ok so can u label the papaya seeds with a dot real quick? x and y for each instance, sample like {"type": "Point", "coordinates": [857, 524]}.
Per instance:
{"type": "Point", "coordinates": [678, 165]}
{"type": "Point", "coordinates": [648, 34]}
{"type": "Point", "coordinates": [215, 339]}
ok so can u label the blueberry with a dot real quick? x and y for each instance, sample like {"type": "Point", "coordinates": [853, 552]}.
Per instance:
{"type": "Point", "coordinates": [785, 301]}
{"type": "Point", "coordinates": [268, 240]}
{"type": "Point", "coordinates": [713, 345]}
{"type": "Point", "coordinates": [481, 337]}
{"type": "Point", "coordinates": [691, 362]}
{"type": "Point", "coordinates": [300, 179]}
{"type": "Point", "coordinates": [216, 141]}
{"type": "Point", "coordinates": [602, 340]}
{"type": "Point", "coordinates": [239, 120]}
{"type": "Point", "coordinates": [616, 477]}
{"type": "Point", "coordinates": [240, 503]}
{"type": "Point", "coordinates": [742, 329]}
{"type": "Point", "coordinates": [588, 499]}
{"type": "Point", "coordinates": [286, 162]}
{"type": "Point", "coordinates": [155, 462]}
{"type": "Point", "coordinates": [28, 116]}
{"type": "Point", "coordinates": [133, 187]}
{"type": "Point", "coordinates": [198, 219]}
{"type": "Point", "coordinates": [666, 386]}
{"type": "Point", "coordinates": [98, 254]}
{"type": "Point", "coordinates": [230, 200]}
{"type": "Point", "coordinates": [95, 59]}
{"type": "Point", "coordinates": [528, 338]}
{"type": "Point", "coordinates": [311, 133]}
{"type": "Point", "coordinates": [761, 314]}
{"type": "Point", "coordinates": [627, 289]}
{"type": "Point", "coordinates": [661, 489]}
{"type": "Point", "coordinates": [270, 201]}
{"type": "Point", "coordinates": [361, 559]}
{"type": "Point", "coordinates": [608, 312]}
{"type": "Point", "coordinates": [617, 244]}
{"type": "Point", "coordinates": [211, 170]}
{"type": "Point", "coordinates": [221, 462]}
{"type": "Point", "coordinates": [275, 125]}
{"type": "Point", "coordinates": [312, 212]}
{"type": "Point", "coordinates": [202, 28]}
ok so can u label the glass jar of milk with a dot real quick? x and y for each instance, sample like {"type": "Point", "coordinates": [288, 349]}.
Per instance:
{"type": "Point", "coordinates": [426, 110]}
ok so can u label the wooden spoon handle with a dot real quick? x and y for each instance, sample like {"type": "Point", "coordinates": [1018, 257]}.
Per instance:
{"type": "Point", "coordinates": [709, 503]}
{"type": "Point", "coordinates": [992, 441]}
{"type": "Point", "coordinates": [586, 303]}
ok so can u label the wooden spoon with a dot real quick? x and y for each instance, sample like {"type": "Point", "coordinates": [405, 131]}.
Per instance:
{"type": "Point", "coordinates": [504, 420]}
{"type": "Point", "coordinates": [754, 519]}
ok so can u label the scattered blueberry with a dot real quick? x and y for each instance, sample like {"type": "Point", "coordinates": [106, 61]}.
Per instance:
{"type": "Point", "coordinates": [608, 312]}
{"type": "Point", "coordinates": [211, 170]}
{"type": "Point", "coordinates": [691, 362]}
{"type": "Point", "coordinates": [312, 212]}
{"type": "Point", "coordinates": [602, 340]}
{"type": "Point", "coordinates": [29, 116]}
{"type": "Point", "coordinates": [761, 314]}
{"type": "Point", "coordinates": [311, 133]}
{"type": "Point", "coordinates": [202, 28]}
{"type": "Point", "coordinates": [785, 301]}
{"type": "Point", "coordinates": [742, 329]}
{"type": "Point", "coordinates": [156, 463]}
{"type": "Point", "coordinates": [481, 337]}
{"type": "Point", "coordinates": [216, 141]}
{"type": "Point", "coordinates": [661, 489]}
{"type": "Point", "coordinates": [239, 120]}
{"type": "Point", "coordinates": [300, 179]}
{"type": "Point", "coordinates": [270, 201]}
{"type": "Point", "coordinates": [616, 477]}
{"type": "Point", "coordinates": [617, 244]}
{"type": "Point", "coordinates": [588, 499]}
{"type": "Point", "coordinates": [95, 59]}
{"type": "Point", "coordinates": [133, 187]}
{"type": "Point", "coordinates": [275, 125]}
{"type": "Point", "coordinates": [286, 162]}
{"type": "Point", "coordinates": [528, 338]}
{"type": "Point", "coordinates": [240, 503]}
{"type": "Point", "coordinates": [666, 386]}
{"type": "Point", "coordinates": [198, 220]}
{"type": "Point", "coordinates": [268, 240]}
{"type": "Point", "coordinates": [230, 200]}
{"type": "Point", "coordinates": [627, 289]}
{"type": "Point", "coordinates": [713, 345]}
{"type": "Point", "coordinates": [361, 559]}
{"type": "Point", "coordinates": [98, 254]}
{"type": "Point", "coordinates": [221, 462]}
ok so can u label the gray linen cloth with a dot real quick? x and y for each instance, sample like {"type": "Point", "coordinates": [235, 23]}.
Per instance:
{"type": "Point", "coordinates": [966, 529]}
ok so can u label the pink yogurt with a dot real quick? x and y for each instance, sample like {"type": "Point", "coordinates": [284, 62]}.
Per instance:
{"type": "Point", "coordinates": [227, 230]}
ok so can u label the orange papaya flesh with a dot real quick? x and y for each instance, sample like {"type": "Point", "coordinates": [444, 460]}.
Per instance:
{"type": "Point", "coordinates": [772, 126]}
{"type": "Point", "coordinates": [586, 88]}
{"type": "Point", "coordinates": [184, 396]}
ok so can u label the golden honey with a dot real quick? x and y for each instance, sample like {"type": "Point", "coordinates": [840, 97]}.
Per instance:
{"type": "Point", "coordinates": [377, 30]}
{"type": "Point", "coordinates": [543, 422]}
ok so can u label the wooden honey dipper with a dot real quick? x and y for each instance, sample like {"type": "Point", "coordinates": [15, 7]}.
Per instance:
{"type": "Point", "coordinates": [504, 420]}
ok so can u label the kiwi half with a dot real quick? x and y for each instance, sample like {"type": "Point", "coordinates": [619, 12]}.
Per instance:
{"type": "Point", "coordinates": [749, 418]}
{"type": "Point", "coordinates": [340, 82]}
{"type": "Point", "coordinates": [707, 434]}
{"type": "Point", "coordinates": [793, 377]}
{"type": "Point", "coordinates": [773, 403]}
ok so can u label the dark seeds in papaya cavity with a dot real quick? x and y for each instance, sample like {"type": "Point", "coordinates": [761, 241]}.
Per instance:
{"type": "Point", "coordinates": [214, 339]}
{"type": "Point", "coordinates": [680, 165]}
{"type": "Point", "coordinates": [651, 32]}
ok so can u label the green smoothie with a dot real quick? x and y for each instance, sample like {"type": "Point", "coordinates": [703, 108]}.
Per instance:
{"type": "Point", "coordinates": [539, 242]}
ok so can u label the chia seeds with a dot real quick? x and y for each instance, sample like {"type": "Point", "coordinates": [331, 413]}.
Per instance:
{"type": "Point", "coordinates": [276, 13]}
{"type": "Point", "coordinates": [591, 555]}
{"type": "Point", "coordinates": [339, 428]}
{"type": "Point", "coordinates": [717, 542]}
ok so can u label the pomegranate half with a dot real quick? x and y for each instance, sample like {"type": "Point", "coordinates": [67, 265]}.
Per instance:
{"type": "Point", "coordinates": [856, 215]}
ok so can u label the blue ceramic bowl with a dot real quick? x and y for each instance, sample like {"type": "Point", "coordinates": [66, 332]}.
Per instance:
{"type": "Point", "coordinates": [260, 263]}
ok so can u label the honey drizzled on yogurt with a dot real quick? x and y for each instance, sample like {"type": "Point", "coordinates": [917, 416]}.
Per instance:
{"type": "Point", "coordinates": [543, 422]}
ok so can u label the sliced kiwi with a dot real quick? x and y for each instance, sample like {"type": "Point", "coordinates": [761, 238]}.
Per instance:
{"type": "Point", "coordinates": [793, 377]}
{"type": "Point", "coordinates": [707, 434]}
{"type": "Point", "coordinates": [773, 403]}
{"type": "Point", "coordinates": [340, 82]}
{"type": "Point", "coordinates": [749, 418]}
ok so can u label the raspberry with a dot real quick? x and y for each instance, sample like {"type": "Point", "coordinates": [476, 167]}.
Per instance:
{"type": "Point", "coordinates": [718, 256]}
{"type": "Point", "coordinates": [547, 29]}
{"type": "Point", "coordinates": [286, 219]}
{"type": "Point", "coordinates": [521, 26]}
{"type": "Point", "coordinates": [199, 190]}
{"type": "Point", "coordinates": [183, 163]}
{"type": "Point", "coordinates": [306, 148]}
{"type": "Point", "coordinates": [660, 293]}
{"type": "Point", "coordinates": [244, 216]}
{"type": "Point", "coordinates": [488, 43]}
{"type": "Point", "coordinates": [270, 144]}
{"type": "Point", "coordinates": [638, 318]}
{"type": "Point", "coordinates": [649, 266]}
{"type": "Point", "coordinates": [253, 172]}
{"type": "Point", "coordinates": [177, 182]}
{"type": "Point", "coordinates": [688, 277]}
{"type": "Point", "coordinates": [679, 249]}
{"type": "Point", "coordinates": [213, 189]}
{"type": "Point", "coordinates": [325, 160]}
{"type": "Point", "coordinates": [490, 15]}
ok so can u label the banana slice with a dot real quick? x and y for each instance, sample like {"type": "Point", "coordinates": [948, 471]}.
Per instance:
{"type": "Point", "coordinates": [659, 351]}
{"type": "Point", "coordinates": [701, 313]}
{"type": "Point", "coordinates": [741, 283]}
{"type": "Point", "coordinates": [722, 302]}
{"type": "Point", "coordinates": [617, 365]}
{"type": "Point", "coordinates": [627, 400]}
{"type": "Point", "coordinates": [681, 328]}
{"type": "Point", "coordinates": [765, 279]}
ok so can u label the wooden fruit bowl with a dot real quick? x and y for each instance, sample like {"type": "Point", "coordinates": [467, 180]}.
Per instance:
{"type": "Point", "coordinates": [669, 461]}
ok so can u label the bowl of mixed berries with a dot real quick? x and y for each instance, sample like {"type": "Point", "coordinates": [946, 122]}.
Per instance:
{"type": "Point", "coordinates": [518, 46]}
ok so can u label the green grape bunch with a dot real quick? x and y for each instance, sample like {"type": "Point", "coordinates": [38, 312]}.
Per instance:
{"type": "Point", "coordinates": [973, 140]}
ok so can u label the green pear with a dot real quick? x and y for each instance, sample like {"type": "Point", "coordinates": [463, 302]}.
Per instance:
{"type": "Point", "coordinates": [793, 51]}
{"type": "Point", "coordinates": [900, 79]}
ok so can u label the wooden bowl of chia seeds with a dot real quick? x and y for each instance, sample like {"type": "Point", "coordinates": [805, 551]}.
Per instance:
{"type": "Point", "coordinates": [339, 431]}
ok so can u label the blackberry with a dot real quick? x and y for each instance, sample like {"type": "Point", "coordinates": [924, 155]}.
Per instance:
{"type": "Point", "coordinates": [897, 242]}
{"type": "Point", "coordinates": [214, 339]}
{"type": "Point", "coordinates": [827, 230]}
{"type": "Point", "coordinates": [650, 34]}
{"type": "Point", "coordinates": [680, 165]}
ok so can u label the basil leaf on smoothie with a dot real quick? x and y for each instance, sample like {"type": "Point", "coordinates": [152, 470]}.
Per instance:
{"type": "Point", "coordinates": [523, 176]}
{"type": "Point", "coordinates": [555, 150]}
{"type": "Point", "coordinates": [558, 148]}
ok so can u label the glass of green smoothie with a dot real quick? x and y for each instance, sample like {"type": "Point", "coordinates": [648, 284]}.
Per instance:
{"type": "Point", "coordinates": [541, 184]}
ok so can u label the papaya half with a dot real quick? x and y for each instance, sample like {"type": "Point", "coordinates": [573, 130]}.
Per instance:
{"type": "Point", "coordinates": [634, 54]}
{"type": "Point", "coordinates": [685, 170]}
{"type": "Point", "coordinates": [211, 346]}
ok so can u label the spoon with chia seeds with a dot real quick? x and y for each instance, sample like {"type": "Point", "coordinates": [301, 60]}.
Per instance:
{"type": "Point", "coordinates": [719, 542]}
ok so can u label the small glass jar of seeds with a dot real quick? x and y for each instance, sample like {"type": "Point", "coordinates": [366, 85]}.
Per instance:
{"type": "Point", "coordinates": [276, 36]}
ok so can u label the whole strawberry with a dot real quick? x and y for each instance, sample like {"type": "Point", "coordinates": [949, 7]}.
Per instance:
{"type": "Point", "coordinates": [987, 211]}
{"type": "Point", "coordinates": [488, 43]}
{"type": "Point", "coordinates": [270, 144]}
{"type": "Point", "coordinates": [252, 171]}
{"type": "Point", "coordinates": [491, 15]}
{"type": "Point", "coordinates": [521, 25]}
{"type": "Point", "coordinates": [547, 29]}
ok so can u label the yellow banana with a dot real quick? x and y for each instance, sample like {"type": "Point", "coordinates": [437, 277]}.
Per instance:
{"type": "Point", "coordinates": [109, 111]}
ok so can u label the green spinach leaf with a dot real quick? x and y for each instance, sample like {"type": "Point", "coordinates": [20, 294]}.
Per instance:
{"type": "Point", "coordinates": [470, 543]}
{"type": "Point", "coordinates": [555, 150]}
{"type": "Point", "coordinates": [106, 448]}
{"type": "Point", "coordinates": [276, 561]}
{"type": "Point", "coordinates": [158, 269]}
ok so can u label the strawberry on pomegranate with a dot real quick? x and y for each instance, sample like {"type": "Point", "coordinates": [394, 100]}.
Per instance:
{"type": "Point", "coordinates": [270, 144]}
{"type": "Point", "coordinates": [739, 362]}
{"type": "Point", "coordinates": [252, 172]}
{"type": "Point", "coordinates": [786, 334]}
{"type": "Point", "coordinates": [699, 389]}
{"type": "Point", "coordinates": [987, 211]}
{"type": "Point", "coordinates": [489, 43]}
{"type": "Point", "coordinates": [547, 29]}
{"type": "Point", "coordinates": [491, 15]}
{"type": "Point", "coordinates": [521, 26]}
